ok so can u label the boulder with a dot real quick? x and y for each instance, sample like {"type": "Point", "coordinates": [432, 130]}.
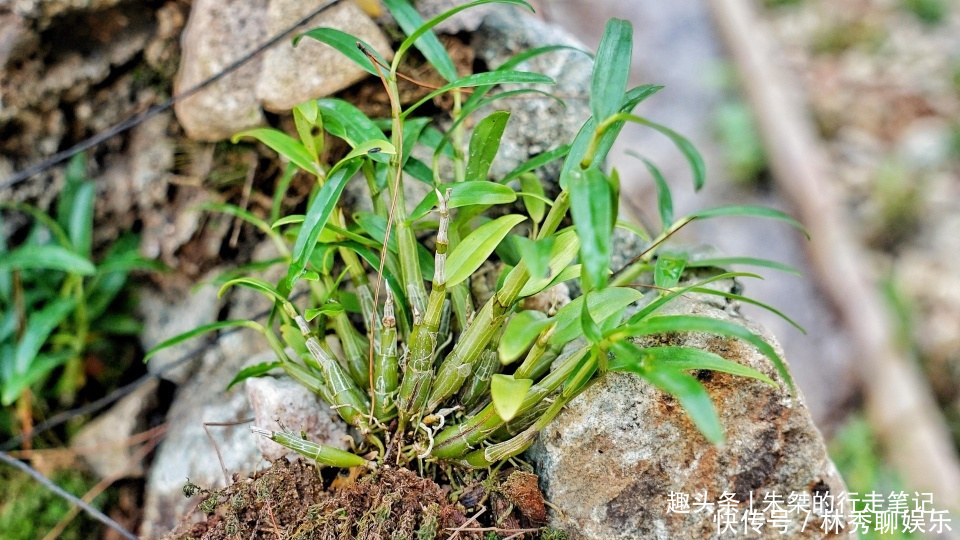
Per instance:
{"type": "Point", "coordinates": [218, 33]}
{"type": "Point", "coordinates": [622, 456]}
{"type": "Point", "coordinates": [292, 75]}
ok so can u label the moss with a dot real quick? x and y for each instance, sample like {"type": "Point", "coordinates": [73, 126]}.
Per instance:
{"type": "Point", "coordinates": [32, 510]}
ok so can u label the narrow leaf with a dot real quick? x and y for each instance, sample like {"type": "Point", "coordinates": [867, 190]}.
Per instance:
{"type": "Point", "coordinates": [564, 251]}
{"type": "Point", "coordinates": [284, 145]}
{"type": "Point", "coordinates": [50, 257]}
{"type": "Point", "coordinates": [484, 143]}
{"type": "Point", "coordinates": [692, 396]}
{"type": "Point", "coordinates": [667, 272]}
{"type": "Point", "coordinates": [474, 250]}
{"type": "Point", "coordinates": [611, 68]}
{"type": "Point", "coordinates": [466, 194]}
{"type": "Point", "coordinates": [602, 305]}
{"type": "Point", "coordinates": [537, 162]}
{"type": "Point", "coordinates": [537, 209]}
{"type": "Point", "coordinates": [630, 357]}
{"type": "Point", "coordinates": [593, 218]}
{"type": "Point", "coordinates": [536, 253]}
{"type": "Point", "coordinates": [723, 262]}
{"type": "Point", "coordinates": [200, 330]}
{"type": "Point", "coordinates": [751, 211]}
{"type": "Point", "coordinates": [256, 370]}
{"type": "Point", "coordinates": [664, 199]}
{"type": "Point", "coordinates": [484, 79]}
{"type": "Point", "coordinates": [346, 45]}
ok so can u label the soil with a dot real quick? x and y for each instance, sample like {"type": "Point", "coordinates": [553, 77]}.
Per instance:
{"type": "Point", "coordinates": [294, 501]}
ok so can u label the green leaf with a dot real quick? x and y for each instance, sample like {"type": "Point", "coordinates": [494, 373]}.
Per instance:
{"type": "Point", "coordinates": [420, 35]}
{"type": "Point", "coordinates": [630, 357]}
{"type": "Point", "coordinates": [317, 215]}
{"type": "Point", "coordinates": [344, 120]}
{"type": "Point", "coordinates": [294, 339]}
{"type": "Point", "coordinates": [723, 262]}
{"type": "Point", "coordinates": [256, 370]}
{"type": "Point", "coordinates": [507, 394]}
{"type": "Point", "coordinates": [748, 300]}
{"type": "Point", "coordinates": [484, 143]}
{"type": "Point", "coordinates": [309, 124]}
{"type": "Point", "coordinates": [664, 199]}
{"type": "Point", "coordinates": [750, 211]}
{"type": "Point", "coordinates": [281, 190]}
{"type": "Point", "coordinates": [537, 254]}
{"type": "Point", "coordinates": [668, 271]}
{"type": "Point", "coordinates": [50, 257]}
{"type": "Point", "coordinates": [692, 323]}
{"type": "Point", "coordinates": [484, 79]}
{"type": "Point", "coordinates": [80, 224]}
{"type": "Point", "coordinates": [347, 45]}
{"type": "Point", "coordinates": [118, 324]}
{"type": "Point", "coordinates": [476, 247]}
{"type": "Point", "coordinates": [256, 284]}
{"type": "Point", "coordinates": [611, 68]}
{"type": "Point", "coordinates": [59, 234]}
{"type": "Point", "coordinates": [466, 194]}
{"type": "Point", "coordinates": [537, 162]}
{"type": "Point", "coordinates": [602, 305]}
{"type": "Point", "coordinates": [519, 334]}
{"type": "Point", "coordinates": [593, 218]}
{"type": "Point", "coordinates": [412, 130]}
{"type": "Point", "coordinates": [200, 330]}
{"type": "Point", "coordinates": [15, 383]}
{"type": "Point", "coordinates": [473, 102]}
{"type": "Point", "coordinates": [590, 329]}
{"type": "Point", "coordinates": [686, 148]}
{"type": "Point", "coordinates": [330, 308]}
{"type": "Point", "coordinates": [284, 145]}
{"type": "Point", "coordinates": [40, 324]}
{"type": "Point", "coordinates": [692, 396]}
{"type": "Point", "coordinates": [537, 209]}
{"type": "Point", "coordinates": [371, 148]}
{"type": "Point", "coordinates": [663, 299]}
{"type": "Point", "coordinates": [236, 211]}
{"type": "Point", "coordinates": [564, 250]}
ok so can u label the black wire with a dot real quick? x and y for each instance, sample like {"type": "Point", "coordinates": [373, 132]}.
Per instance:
{"type": "Point", "coordinates": [64, 155]}
{"type": "Point", "coordinates": [47, 483]}
{"type": "Point", "coordinates": [94, 406]}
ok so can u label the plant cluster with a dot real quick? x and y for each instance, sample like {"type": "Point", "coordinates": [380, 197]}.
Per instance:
{"type": "Point", "coordinates": [406, 357]}
{"type": "Point", "coordinates": [55, 301]}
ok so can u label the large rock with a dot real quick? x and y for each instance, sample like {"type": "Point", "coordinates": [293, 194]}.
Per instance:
{"type": "Point", "coordinates": [612, 459]}
{"type": "Point", "coordinates": [219, 33]}
{"type": "Point", "coordinates": [292, 75]}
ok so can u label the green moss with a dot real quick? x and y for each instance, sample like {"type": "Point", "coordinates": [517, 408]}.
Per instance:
{"type": "Point", "coordinates": [928, 11]}
{"type": "Point", "coordinates": [32, 510]}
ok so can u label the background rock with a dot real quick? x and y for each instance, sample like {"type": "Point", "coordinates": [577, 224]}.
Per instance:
{"type": "Point", "coordinates": [611, 459]}
{"type": "Point", "coordinates": [292, 75]}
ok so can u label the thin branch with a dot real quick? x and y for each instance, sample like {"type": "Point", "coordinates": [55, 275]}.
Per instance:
{"type": "Point", "coordinates": [47, 483]}
{"type": "Point", "coordinates": [136, 119]}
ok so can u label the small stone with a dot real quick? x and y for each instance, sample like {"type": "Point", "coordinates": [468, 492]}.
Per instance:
{"type": "Point", "coordinates": [611, 459]}
{"type": "Point", "coordinates": [281, 402]}
{"type": "Point", "coordinates": [292, 75]}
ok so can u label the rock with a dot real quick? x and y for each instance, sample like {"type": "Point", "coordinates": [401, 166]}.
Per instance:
{"type": "Point", "coordinates": [468, 20]}
{"type": "Point", "coordinates": [536, 124]}
{"type": "Point", "coordinates": [281, 402]}
{"type": "Point", "coordinates": [612, 458]}
{"type": "Point", "coordinates": [218, 33]}
{"type": "Point", "coordinates": [926, 143]}
{"type": "Point", "coordinates": [187, 451]}
{"type": "Point", "coordinates": [110, 431]}
{"type": "Point", "coordinates": [164, 318]}
{"type": "Point", "coordinates": [292, 75]}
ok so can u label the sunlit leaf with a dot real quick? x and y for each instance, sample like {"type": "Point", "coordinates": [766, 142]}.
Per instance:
{"type": "Point", "coordinates": [630, 357]}
{"type": "Point", "coordinates": [330, 308]}
{"type": "Point", "coordinates": [668, 271]}
{"type": "Point", "coordinates": [602, 305]}
{"type": "Point", "coordinates": [484, 79]}
{"type": "Point", "coordinates": [347, 46]}
{"type": "Point", "coordinates": [564, 251]}
{"type": "Point", "coordinates": [520, 333]}
{"type": "Point", "coordinates": [536, 253]}
{"type": "Point", "coordinates": [484, 143]}
{"type": "Point", "coordinates": [664, 199]}
{"type": "Point", "coordinates": [593, 218]}
{"type": "Point", "coordinates": [536, 208]}
{"type": "Point", "coordinates": [611, 68]}
{"type": "Point", "coordinates": [750, 211]}
{"type": "Point", "coordinates": [466, 194]}
{"type": "Point", "coordinates": [507, 394]}
{"type": "Point", "coordinates": [284, 145]}
{"type": "Point", "coordinates": [309, 124]}
{"type": "Point", "coordinates": [200, 330]}
{"type": "Point", "coordinates": [477, 246]}
{"type": "Point", "coordinates": [256, 370]}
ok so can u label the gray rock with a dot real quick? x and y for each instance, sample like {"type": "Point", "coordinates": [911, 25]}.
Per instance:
{"type": "Point", "coordinates": [217, 34]}
{"type": "Point", "coordinates": [187, 451]}
{"type": "Point", "coordinates": [281, 402]}
{"type": "Point", "coordinates": [467, 20]}
{"type": "Point", "coordinates": [110, 431]}
{"type": "Point", "coordinates": [164, 318]}
{"type": "Point", "coordinates": [537, 124]}
{"type": "Point", "coordinates": [611, 459]}
{"type": "Point", "coordinates": [292, 75]}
